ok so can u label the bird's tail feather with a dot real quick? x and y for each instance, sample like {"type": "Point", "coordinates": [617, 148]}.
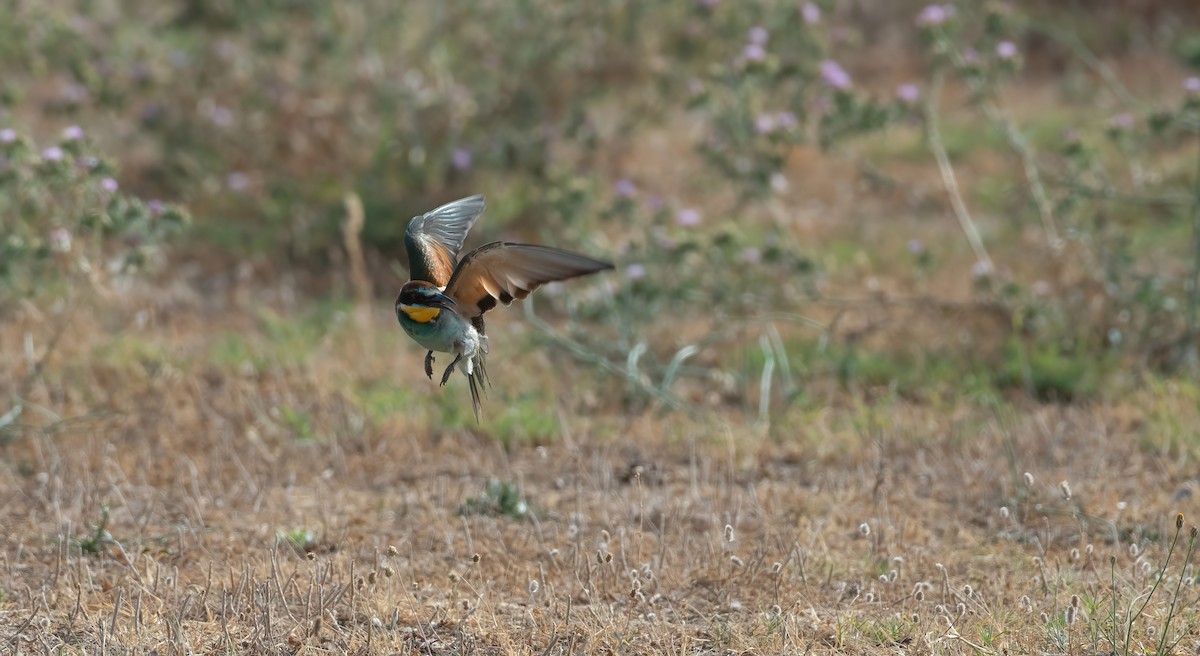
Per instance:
{"type": "Point", "coordinates": [478, 381]}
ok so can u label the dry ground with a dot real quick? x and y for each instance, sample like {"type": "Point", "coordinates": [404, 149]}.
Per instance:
{"type": "Point", "coordinates": [875, 527]}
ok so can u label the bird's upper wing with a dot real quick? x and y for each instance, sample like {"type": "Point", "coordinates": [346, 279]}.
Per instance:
{"type": "Point", "coordinates": [434, 239]}
{"type": "Point", "coordinates": [501, 271]}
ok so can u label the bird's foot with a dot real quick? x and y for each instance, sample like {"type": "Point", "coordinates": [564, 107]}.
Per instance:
{"type": "Point", "coordinates": [429, 365]}
{"type": "Point", "coordinates": [450, 369]}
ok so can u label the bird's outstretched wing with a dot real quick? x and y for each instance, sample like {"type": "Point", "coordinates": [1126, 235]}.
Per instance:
{"type": "Point", "coordinates": [501, 271]}
{"type": "Point", "coordinates": [434, 239]}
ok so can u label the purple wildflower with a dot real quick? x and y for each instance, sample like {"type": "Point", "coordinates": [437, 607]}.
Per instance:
{"type": "Point", "coordinates": [981, 269]}
{"type": "Point", "coordinates": [811, 13]}
{"type": "Point", "coordinates": [635, 271]}
{"type": "Point", "coordinates": [758, 34]}
{"type": "Point", "coordinates": [754, 52]}
{"type": "Point", "coordinates": [916, 246]}
{"type": "Point", "coordinates": [8, 135]}
{"type": "Point", "coordinates": [1192, 84]}
{"type": "Point", "coordinates": [1041, 288]}
{"type": "Point", "coordinates": [970, 56]}
{"type": "Point", "coordinates": [751, 255]}
{"type": "Point", "coordinates": [72, 133]}
{"type": "Point", "coordinates": [110, 185]}
{"type": "Point", "coordinates": [908, 93]}
{"type": "Point", "coordinates": [625, 188]}
{"type": "Point", "coordinates": [89, 162]}
{"type": "Point", "coordinates": [52, 154]}
{"type": "Point", "coordinates": [785, 120]}
{"type": "Point", "coordinates": [237, 181]}
{"type": "Point", "coordinates": [834, 75]}
{"type": "Point", "coordinates": [935, 15]}
{"type": "Point", "coordinates": [1122, 121]}
{"type": "Point", "coordinates": [764, 124]}
{"type": "Point", "coordinates": [1006, 50]}
{"type": "Point", "coordinates": [156, 207]}
{"type": "Point", "coordinates": [654, 203]}
{"type": "Point", "coordinates": [461, 159]}
{"type": "Point", "coordinates": [687, 217]}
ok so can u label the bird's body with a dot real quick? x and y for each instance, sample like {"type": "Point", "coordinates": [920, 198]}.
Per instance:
{"type": "Point", "coordinates": [442, 306]}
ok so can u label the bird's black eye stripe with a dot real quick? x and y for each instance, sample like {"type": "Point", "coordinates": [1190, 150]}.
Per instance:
{"type": "Point", "coordinates": [505, 298]}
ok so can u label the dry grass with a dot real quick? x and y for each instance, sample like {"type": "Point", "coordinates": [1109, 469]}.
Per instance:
{"type": "Point", "coordinates": [231, 528]}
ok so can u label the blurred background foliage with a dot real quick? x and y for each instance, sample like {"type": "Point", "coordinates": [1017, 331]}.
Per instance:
{"type": "Point", "coordinates": [751, 165]}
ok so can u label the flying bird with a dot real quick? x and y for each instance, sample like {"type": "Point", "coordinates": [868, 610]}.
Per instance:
{"type": "Point", "coordinates": [443, 303]}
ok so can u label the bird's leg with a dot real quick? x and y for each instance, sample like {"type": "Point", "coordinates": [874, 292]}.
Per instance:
{"type": "Point", "coordinates": [429, 365]}
{"type": "Point", "coordinates": [450, 369]}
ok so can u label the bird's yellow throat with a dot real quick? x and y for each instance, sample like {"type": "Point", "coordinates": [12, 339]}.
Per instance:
{"type": "Point", "coordinates": [420, 314]}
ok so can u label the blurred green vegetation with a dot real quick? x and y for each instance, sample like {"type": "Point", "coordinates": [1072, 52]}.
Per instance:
{"type": "Point", "coordinates": [260, 117]}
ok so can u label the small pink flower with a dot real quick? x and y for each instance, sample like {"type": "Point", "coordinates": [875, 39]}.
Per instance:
{"type": "Point", "coordinates": [1006, 50]}
{"type": "Point", "coordinates": [754, 52]}
{"type": "Point", "coordinates": [461, 159]}
{"type": "Point", "coordinates": [72, 133]}
{"type": "Point", "coordinates": [625, 189]}
{"type": "Point", "coordinates": [981, 269]}
{"type": "Point", "coordinates": [834, 75]}
{"type": "Point", "coordinates": [687, 217]}
{"type": "Point", "coordinates": [1122, 121]}
{"type": "Point", "coordinates": [635, 271]}
{"type": "Point", "coordinates": [916, 246]}
{"type": "Point", "coordinates": [8, 135]}
{"type": "Point", "coordinates": [908, 93]}
{"type": "Point", "coordinates": [811, 13]}
{"type": "Point", "coordinates": [60, 240]}
{"type": "Point", "coordinates": [764, 124]}
{"type": "Point", "coordinates": [751, 255]}
{"type": "Point", "coordinates": [237, 181]}
{"type": "Point", "coordinates": [110, 185]}
{"type": "Point", "coordinates": [759, 35]}
{"type": "Point", "coordinates": [1041, 288]}
{"type": "Point", "coordinates": [52, 154]}
{"type": "Point", "coordinates": [1192, 85]}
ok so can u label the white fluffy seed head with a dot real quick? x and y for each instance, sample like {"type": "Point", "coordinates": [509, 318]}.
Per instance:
{"type": "Point", "coordinates": [1028, 479]}
{"type": "Point", "coordinates": [864, 529]}
{"type": "Point", "coordinates": [1065, 488]}
{"type": "Point", "coordinates": [729, 533]}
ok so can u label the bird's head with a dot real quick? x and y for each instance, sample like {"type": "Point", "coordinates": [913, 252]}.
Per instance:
{"type": "Point", "coordinates": [421, 302]}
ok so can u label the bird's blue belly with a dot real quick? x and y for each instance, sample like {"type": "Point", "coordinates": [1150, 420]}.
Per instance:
{"type": "Point", "coordinates": [434, 335]}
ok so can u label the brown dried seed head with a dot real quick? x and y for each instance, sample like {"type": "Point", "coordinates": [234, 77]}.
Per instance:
{"type": "Point", "coordinates": [475, 558]}
{"type": "Point", "coordinates": [388, 571]}
{"type": "Point", "coordinates": [391, 551]}
{"type": "Point", "coordinates": [1075, 600]}
{"type": "Point", "coordinates": [1178, 521]}
{"type": "Point", "coordinates": [371, 577]}
{"type": "Point", "coordinates": [310, 555]}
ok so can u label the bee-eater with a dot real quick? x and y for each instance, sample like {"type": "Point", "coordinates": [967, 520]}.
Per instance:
{"type": "Point", "coordinates": [442, 305]}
